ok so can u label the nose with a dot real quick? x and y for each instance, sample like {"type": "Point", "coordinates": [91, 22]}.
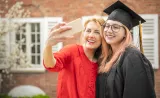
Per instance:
{"type": "Point", "coordinates": [109, 30]}
{"type": "Point", "coordinates": [91, 34]}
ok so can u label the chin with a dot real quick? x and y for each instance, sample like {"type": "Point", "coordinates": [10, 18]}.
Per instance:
{"type": "Point", "coordinates": [109, 42]}
{"type": "Point", "coordinates": [91, 47]}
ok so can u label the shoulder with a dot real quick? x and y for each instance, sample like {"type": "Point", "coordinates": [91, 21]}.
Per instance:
{"type": "Point", "coordinates": [131, 52]}
{"type": "Point", "coordinates": [71, 47]}
{"type": "Point", "coordinates": [131, 56]}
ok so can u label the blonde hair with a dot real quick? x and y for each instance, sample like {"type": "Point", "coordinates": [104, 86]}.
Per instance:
{"type": "Point", "coordinates": [107, 58]}
{"type": "Point", "coordinates": [99, 21]}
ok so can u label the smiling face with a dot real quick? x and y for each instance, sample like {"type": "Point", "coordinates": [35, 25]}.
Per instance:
{"type": "Point", "coordinates": [114, 32]}
{"type": "Point", "coordinates": [91, 35]}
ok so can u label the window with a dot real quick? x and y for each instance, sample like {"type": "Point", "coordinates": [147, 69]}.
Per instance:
{"type": "Point", "coordinates": [35, 32]}
{"type": "Point", "coordinates": [149, 38]}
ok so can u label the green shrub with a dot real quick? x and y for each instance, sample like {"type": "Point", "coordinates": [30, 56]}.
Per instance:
{"type": "Point", "coordinates": [36, 96]}
{"type": "Point", "coordinates": [4, 96]}
{"type": "Point", "coordinates": [41, 96]}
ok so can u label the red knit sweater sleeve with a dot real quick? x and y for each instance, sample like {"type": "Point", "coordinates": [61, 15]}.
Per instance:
{"type": "Point", "coordinates": [63, 58]}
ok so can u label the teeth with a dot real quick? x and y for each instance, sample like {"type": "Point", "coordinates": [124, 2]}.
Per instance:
{"type": "Point", "coordinates": [91, 41]}
{"type": "Point", "coordinates": [110, 36]}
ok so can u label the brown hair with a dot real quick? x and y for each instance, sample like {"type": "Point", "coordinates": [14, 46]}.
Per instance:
{"type": "Point", "coordinates": [107, 58]}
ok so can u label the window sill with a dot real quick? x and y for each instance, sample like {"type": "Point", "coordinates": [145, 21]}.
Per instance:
{"type": "Point", "coordinates": [28, 70]}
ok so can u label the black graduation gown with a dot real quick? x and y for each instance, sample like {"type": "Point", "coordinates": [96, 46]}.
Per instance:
{"type": "Point", "coordinates": [131, 77]}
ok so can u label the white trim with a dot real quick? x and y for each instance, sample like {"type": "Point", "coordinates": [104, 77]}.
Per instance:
{"type": "Point", "coordinates": [43, 35]}
{"type": "Point", "coordinates": [135, 36]}
{"type": "Point", "coordinates": [153, 36]}
{"type": "Point", "coordinates": [28, 70]}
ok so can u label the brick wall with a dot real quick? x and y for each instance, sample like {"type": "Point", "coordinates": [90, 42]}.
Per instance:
{"type": "Point", "coordinates": [69, 10]}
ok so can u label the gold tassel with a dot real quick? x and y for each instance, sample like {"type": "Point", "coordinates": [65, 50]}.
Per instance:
{"type": "Point", "coordinates": [140, 37]}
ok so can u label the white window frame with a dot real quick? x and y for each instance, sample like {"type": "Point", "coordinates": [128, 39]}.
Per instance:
{"type": "Point", "coordinates": [153, 36]}
{"type": "Point", "coordinates": [45, 22]}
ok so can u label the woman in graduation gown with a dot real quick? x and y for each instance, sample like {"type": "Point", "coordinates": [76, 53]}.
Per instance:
{"type": "Point", "coordinates": [124, 71]}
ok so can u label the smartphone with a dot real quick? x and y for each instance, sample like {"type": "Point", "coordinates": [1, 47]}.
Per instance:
{"type": "Point", "coordinates": [76, 27]}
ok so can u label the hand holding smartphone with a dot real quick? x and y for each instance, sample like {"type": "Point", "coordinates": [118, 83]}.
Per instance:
{"type": "Point", "coordinates": [76, 27]}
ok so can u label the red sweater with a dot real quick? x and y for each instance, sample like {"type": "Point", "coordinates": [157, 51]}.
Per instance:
{"type": "Point", "coordinates": [77, 74]}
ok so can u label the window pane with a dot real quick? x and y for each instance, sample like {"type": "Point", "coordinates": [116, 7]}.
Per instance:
{"type": "Point", "coordinates": [17, 37]}
{"type": "Point", "coordinates": [38, 27]}
{"type": "Point", "coordinates": [38, 48]}
{"type": "Point", "coordinates": [38, 61]}
{"type": "Point", "coordinates": [32, 27]}
{"type": "Point", "coordinates": [38, 38]}
{"type": "Point", "coordinates": [24, 48]}
{"type": "Point", "coordinates": [33, 59]}
{"type": "Point", "coordinates": [33, 49]}
{"type": "Point", "coordinates": [24, 30]}
{"type": "Point", "coordinates": [24, 37]}
{"type": "Point", "coordinates": [24, 25]}
{"type": "Point", "coordinates": [33, 38]}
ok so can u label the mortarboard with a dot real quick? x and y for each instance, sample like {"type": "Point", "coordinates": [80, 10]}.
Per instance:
{"type": "Point", "coordinates": [120, 12]}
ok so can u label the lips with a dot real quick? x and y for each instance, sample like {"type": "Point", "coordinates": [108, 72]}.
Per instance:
{"type": "Point", "coordinates": [110, 36]}
{"type": "Point", "coordinates": [91, 41]}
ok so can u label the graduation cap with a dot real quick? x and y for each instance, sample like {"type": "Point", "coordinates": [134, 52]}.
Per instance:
{"type": "Point", "coordinates": [123, 14]}
{"type": "Point", "coordinates": [120, 12]}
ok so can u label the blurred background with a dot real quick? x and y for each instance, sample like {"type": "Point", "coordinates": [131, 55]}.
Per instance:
{"type": "Point", "coordinates": [24, 25]}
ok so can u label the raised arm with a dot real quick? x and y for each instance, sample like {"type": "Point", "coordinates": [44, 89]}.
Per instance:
{"type": "Point", "coordinates": [54, 37]}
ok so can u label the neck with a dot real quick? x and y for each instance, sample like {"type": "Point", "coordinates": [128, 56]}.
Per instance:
{"type": "Point", "coordinates": [89, 53]}
{"type": "Point", "coordinates": [115, 47]}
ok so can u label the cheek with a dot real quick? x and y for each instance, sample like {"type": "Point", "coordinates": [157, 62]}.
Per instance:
{"type": "Point", "coordinates": [99, 38]}
{"type": "Point", "coordinates": [121, 35]}
{"type": "Point", "coordinates": [84, 35]}
{"type": "Point", "coordinates": [119, 38]}
{"type": "Point", "coordinates": [104, 35]}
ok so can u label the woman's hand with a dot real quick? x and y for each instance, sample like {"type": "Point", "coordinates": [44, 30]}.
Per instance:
{"type": "Point", "coordinates": [54, 35]}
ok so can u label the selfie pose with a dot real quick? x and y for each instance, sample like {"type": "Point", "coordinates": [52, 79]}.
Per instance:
{"type": "Point", "coordinates": [124, 71]}
{"type": "Point", "coordinates": [76, 64]}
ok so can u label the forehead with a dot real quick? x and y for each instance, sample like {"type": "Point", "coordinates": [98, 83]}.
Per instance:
{"type": "Point", "coordinates": [92, 24]}
{"type": "Point", "coordinates": [113, 22]}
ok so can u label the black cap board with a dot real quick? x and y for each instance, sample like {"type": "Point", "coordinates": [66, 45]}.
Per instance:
{"type": "Point", "coordinates": [120, 12]}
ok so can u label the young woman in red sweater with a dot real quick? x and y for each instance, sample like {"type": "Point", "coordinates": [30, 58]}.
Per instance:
{"type": "Point", "coordinates": [76, 64]}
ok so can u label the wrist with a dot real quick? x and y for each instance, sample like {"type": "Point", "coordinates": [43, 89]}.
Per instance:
{"type": "Point", "coordinates": [48, 47]}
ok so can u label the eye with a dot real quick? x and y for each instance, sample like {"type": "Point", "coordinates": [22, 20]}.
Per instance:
{"type": "Point", "coordinates": [97, 32]}
{"type": "Point", "coordinates": [115, 26]}
{"type": "Point", "coordinates": [88, 30]}
{"type": "Point", "coordinates": [107, 26]}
